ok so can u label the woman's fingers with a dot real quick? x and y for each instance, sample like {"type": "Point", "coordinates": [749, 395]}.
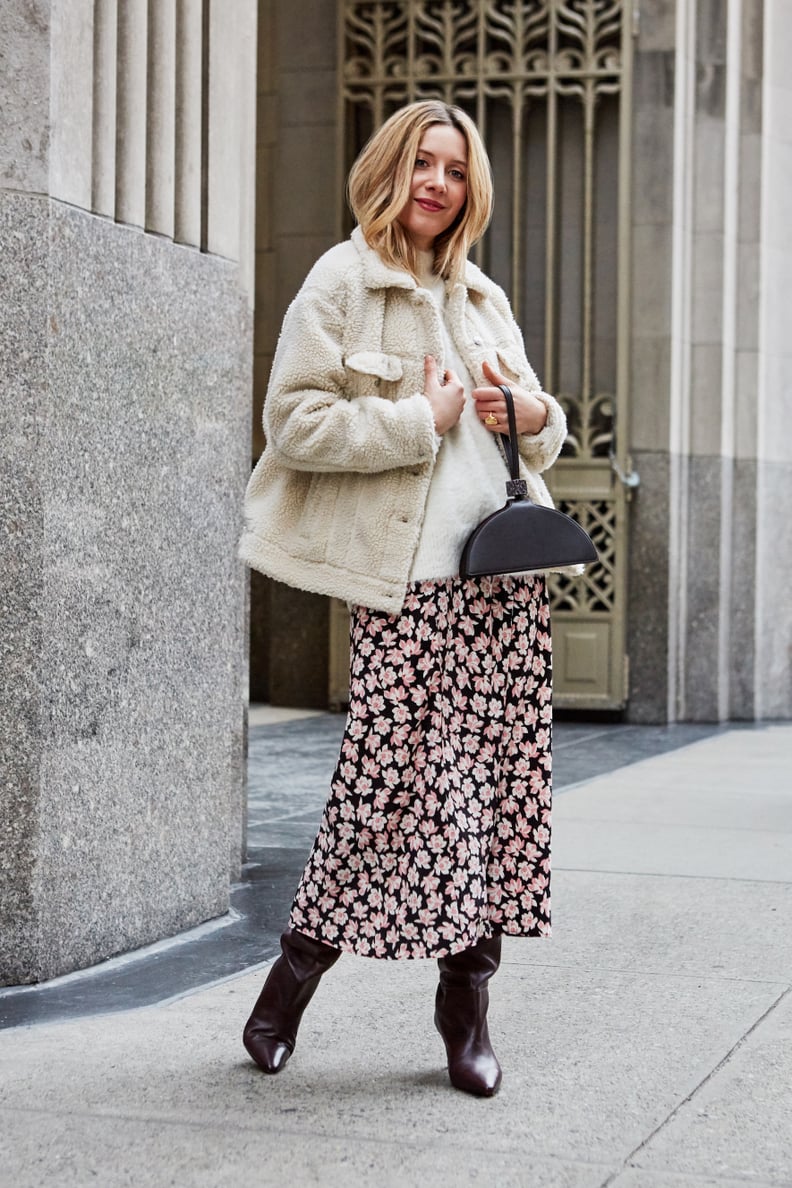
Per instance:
{"type": "Point", "coordinates": [446, 395]}
{"type": "Point", "coordinates": [433, 381]}
{"type": "Point", "coordinates": [530, 412]}
{"type": "Point", "coordinates": [491, 408]}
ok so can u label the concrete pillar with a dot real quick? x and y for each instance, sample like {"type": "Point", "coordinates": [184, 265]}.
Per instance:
{"type": "Point", "coordinates": [131, 105]}
{"type": "Point", "coordinates": [773, 664]}
{"type": "Point", "coordinates": [188, 199]}
{"type": "Point", "coordinates": [161, 118]}
{"type": "Point", "coordinates": [124, 452]}
{"type": "Point", "coordinates": [299, 198]}
{"type": "Point", "coordinates": [105, 74]}
{"type": "Point", "coordinates": [72, 101]}
{"type": "Point", "coordinates": [711, 273]}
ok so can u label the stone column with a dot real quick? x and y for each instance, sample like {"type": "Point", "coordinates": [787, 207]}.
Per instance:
{"type": "Point", "coordinates": [124, 451]}
{"type": "Point", "coordinates": [299, 198]}
{"type": "Point", "coordinates": [710, 365]}
{"type": "Point", "coordinates": [773, 527]}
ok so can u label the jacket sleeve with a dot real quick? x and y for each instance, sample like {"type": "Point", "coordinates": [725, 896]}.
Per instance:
{"type": "Point", "coordinates": [538, 450]}
{"type": "Point", "coordinates": [313, 421]}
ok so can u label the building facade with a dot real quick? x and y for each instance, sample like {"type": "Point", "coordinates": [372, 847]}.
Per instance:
{"type": "Point", "coordinates": [642, 204]}
{"type": "Point", "coordinates": [643, 171]}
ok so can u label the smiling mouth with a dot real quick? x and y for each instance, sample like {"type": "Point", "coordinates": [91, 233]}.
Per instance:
{"type": "Point", "coordinates": [427, 204]}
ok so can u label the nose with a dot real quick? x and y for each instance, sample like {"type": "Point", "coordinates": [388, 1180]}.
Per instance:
{"type": "Point", "coordinates": [437, 178]}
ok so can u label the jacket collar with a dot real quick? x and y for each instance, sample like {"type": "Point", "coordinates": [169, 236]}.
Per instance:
{"type": "Point", "coordinates": [378, 275]}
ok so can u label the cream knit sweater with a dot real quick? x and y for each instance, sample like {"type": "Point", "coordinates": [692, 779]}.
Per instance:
{"type": "Point", "coordinates": [469, 477]}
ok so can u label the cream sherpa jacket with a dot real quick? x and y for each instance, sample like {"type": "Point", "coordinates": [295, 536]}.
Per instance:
{"type": "Point", "coordinates": [336, 501]}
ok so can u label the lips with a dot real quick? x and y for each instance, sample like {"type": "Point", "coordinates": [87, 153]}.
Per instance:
{"type": "Point", "coordinates": [427, 204]}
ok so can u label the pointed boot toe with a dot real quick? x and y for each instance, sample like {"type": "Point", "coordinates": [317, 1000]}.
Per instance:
{"type": "Point", "coordinates": [480, 1076]}
{"type": "Point", "coordinates": [269, 1052]}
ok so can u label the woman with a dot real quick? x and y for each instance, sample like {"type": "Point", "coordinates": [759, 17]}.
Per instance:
{"type": "Point", "coordinates": [382, 421]}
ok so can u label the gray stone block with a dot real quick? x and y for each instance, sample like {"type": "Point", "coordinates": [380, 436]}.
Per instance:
{"type": "Point", "coordinates": [742, 638]}
{"type": "Point", "coordinates": [702, 673]}
{"type": "Point", "coordinates": [774, 581]}
{"type": "Point", "coordinates": [306, 198]}
{"type": "Point", "coordinates": [657, 28]}
{"type": "Point", "coordinates": [309, 97]}
{"type": "Point", "coordinates": [653, 132]}
{"type": "Point", "coordinates": [647, 634]}
{"type": "Point", "coordinates": [25, 71]}
{"type": "Point", "coordinates": [23, 233]}
{"type": "Point", "coordinates": [134, 758]}
{"type": "Point", "coordinates": [306, 35]}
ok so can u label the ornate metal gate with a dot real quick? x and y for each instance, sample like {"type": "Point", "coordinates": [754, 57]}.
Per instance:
{"type": "Point", "coordinates": [549, 84]}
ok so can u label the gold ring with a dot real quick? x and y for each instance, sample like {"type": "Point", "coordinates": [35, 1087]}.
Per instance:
{"type": "Point", "coordinates": [491, 419]}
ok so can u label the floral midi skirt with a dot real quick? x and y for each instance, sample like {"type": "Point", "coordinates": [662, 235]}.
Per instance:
{"type": "Point", "coordinates": [436, 833]}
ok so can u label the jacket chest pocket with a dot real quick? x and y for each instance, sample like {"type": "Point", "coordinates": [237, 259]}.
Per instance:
{"type": "Point", "coordinates": [373, 373]}
{"type": "Point", "coordinates": [504, 358]}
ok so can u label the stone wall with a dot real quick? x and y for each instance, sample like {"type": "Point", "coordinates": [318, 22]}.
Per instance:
{"type": "Point", "coordinates": [299, 198]}
{"type": "Point", "coordinates": [773, 529]}
{"type": "Point", "coordinates": [710, 364]}
{"type": "Point", "coordinates": [123, 456]}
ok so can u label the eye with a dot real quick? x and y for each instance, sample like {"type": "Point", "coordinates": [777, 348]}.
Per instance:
{"type": "Point", "coordinates": [457, 175]}
{"type": "Point", "coordinates": [420, 163]}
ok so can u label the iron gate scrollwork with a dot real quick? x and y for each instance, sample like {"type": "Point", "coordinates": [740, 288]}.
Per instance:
{"type": "Point", "coordinates": [549, 84]}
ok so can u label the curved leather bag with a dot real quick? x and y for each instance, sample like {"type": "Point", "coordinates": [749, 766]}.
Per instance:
{"type": "Point", "coordinates": [523, 535]}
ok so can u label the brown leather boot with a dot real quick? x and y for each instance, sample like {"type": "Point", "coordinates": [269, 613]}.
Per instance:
{"type": "Point", "coordinates": [271, 1031]}
{"type": "Point", "coordinates": [461, 1017]}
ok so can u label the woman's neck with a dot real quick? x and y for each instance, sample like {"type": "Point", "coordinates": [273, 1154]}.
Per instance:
{"type": "Point", "coordinates": [425, 262]}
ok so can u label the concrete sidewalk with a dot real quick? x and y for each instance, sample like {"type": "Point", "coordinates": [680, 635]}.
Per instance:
{"type": "Point", "coordinates": [649, 1043]}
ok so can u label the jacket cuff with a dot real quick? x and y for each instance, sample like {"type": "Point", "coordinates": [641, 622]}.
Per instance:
{"type": "Point", "coordinates": [540, 450]}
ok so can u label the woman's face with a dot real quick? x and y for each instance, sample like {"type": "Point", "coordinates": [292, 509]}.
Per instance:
{"type": "Point", "coordinates": [439, 185]}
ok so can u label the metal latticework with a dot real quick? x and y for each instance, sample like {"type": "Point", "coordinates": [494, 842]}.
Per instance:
{"type": "Point", "coordinates": [548, 83]}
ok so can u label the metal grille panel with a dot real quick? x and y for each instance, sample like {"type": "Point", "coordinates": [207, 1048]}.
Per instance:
{"type": "Point", "coordinates": [548, 83]}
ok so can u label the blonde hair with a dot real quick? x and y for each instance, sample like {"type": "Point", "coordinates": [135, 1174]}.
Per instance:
{"type": "Point", "coordinates": [379, 188]}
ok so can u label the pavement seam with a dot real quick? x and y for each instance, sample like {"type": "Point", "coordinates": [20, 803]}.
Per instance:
{"type": "Point", "coordinates": [664, 874]}
{"type": "Point", "coordinates": [697, 975]}
{"type": "Point", "coordinates": [429, 1141]}
{"type": "Point", "coordinates": [675, 827]}
{"type": "Point", "coordinates": [628, 1162]}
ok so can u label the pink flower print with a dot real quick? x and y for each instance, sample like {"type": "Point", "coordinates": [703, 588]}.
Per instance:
{"type": "Point", "coordinates": [442, 773]}
{"type": "Point", "coordinates": [370, 767]}
{"type": "Point", "coordinates": [390, 778]}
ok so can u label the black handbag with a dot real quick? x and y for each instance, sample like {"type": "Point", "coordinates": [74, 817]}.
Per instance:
{"type": "Point", "coordinates": [523, 535]}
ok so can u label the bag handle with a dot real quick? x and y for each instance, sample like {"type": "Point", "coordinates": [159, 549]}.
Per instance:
{"type": "Point", "coordinates": [516, 488]}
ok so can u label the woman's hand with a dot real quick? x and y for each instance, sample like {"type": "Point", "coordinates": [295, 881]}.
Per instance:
{"type": "Point", "coordinates": [529, 412]}
{"type": "Point", "coordinates": [447, 399]}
